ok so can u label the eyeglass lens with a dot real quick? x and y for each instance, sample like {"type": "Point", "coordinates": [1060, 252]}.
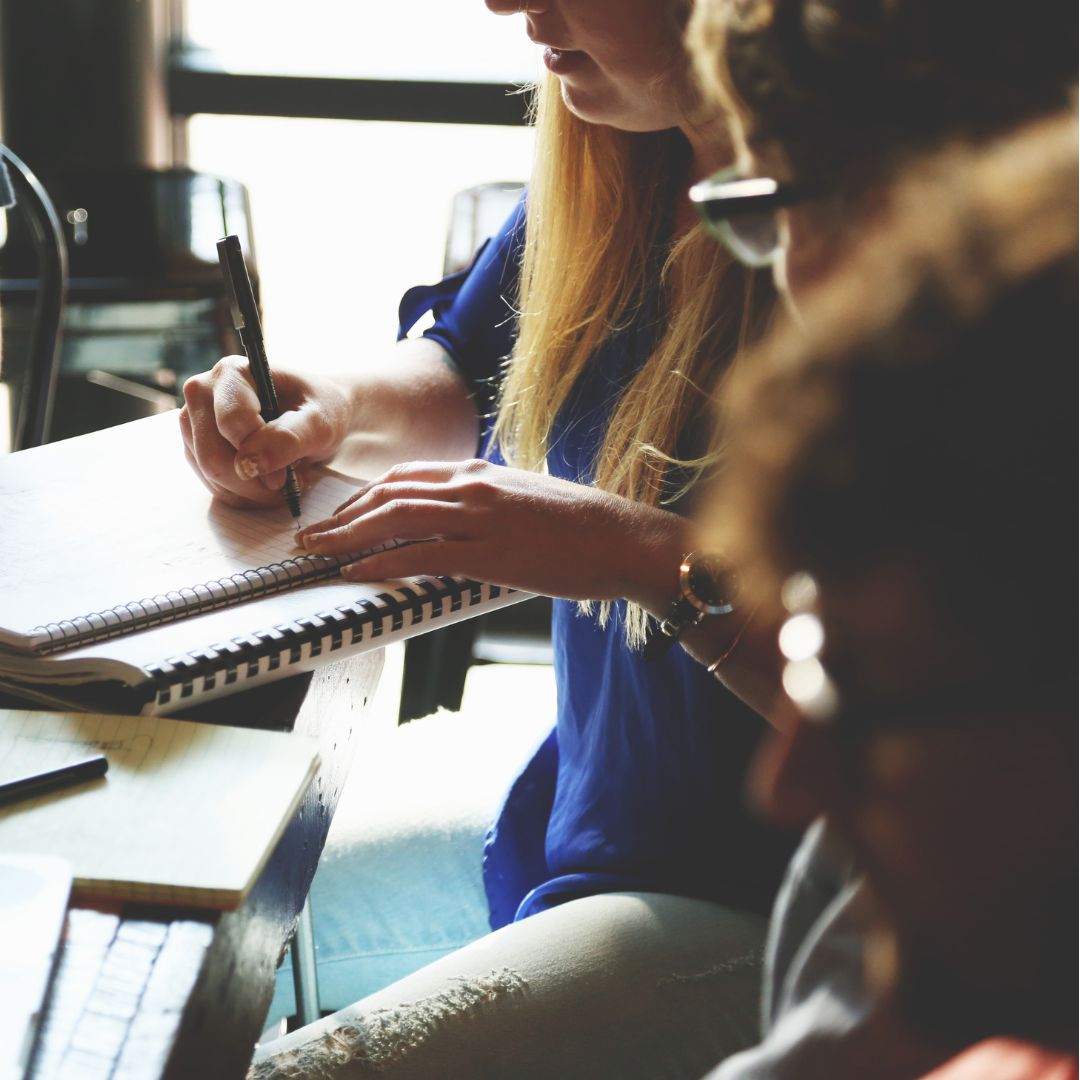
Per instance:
{"type": "Point", "coordinates": [752, 238]}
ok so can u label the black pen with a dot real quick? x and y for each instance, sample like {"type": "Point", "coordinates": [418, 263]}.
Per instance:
{"type": "Point", "coordinates": [27, 787]}
{"type": "Point", "coordinates": [245, 316]}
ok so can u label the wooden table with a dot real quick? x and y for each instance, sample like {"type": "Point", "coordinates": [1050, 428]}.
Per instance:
{"type": "Point", "coordinates": [216, 987]}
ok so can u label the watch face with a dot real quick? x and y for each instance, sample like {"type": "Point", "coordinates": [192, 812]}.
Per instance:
{"type": "Point", "coordinates": [709, 584]}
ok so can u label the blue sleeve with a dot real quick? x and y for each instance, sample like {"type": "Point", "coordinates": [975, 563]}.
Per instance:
{"type": "Point", "coordinates": [475, 316]}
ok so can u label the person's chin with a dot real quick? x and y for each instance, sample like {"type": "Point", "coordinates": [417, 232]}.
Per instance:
{"type": "Point", "coordinates": [596, 107]}
{"type": "Point", "coordinates": [586, 105]}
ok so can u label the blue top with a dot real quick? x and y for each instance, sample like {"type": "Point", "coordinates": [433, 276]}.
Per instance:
{"type": "Point", "coordinates": [640, 785]}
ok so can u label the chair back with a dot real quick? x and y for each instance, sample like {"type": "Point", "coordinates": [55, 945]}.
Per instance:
{"type": "Point", "coordinates": [31, 360]}
{"type": "Point", "coordinates": [475, 214]}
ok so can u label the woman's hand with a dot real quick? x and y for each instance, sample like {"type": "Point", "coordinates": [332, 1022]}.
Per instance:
{"type": "Point", "coordinates": [239, 456]}
{"type": "Point", "coordinates": [508, 527]}
{"type": "Point", "coordinates": [543, 535]}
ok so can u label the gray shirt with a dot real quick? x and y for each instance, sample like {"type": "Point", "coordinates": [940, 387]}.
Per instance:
{"type": "Point", "coordinates": [819, 1018]}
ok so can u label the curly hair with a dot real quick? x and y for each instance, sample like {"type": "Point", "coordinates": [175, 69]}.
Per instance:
{"type": "Point", "coordinates": [926, 411]}
{"type": "Point", "coordinates": [843, 91]}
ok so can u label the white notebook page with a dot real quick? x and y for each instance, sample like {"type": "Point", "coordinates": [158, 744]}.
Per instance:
{"type": "Point", "coordinates": [118, 516]}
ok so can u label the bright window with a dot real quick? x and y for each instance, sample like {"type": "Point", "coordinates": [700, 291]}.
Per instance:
{"type": "Point", "coordinates": [389, 39]}
{"type": "Point", "coordinates": [347, 215]}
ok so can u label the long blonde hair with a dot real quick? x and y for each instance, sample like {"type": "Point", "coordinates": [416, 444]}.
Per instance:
{"type": "Point", "coordinates": [600, 203]}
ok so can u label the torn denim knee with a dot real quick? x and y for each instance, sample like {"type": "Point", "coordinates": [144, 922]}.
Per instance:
{"type": "Point", "coordinates": [376, 1040]}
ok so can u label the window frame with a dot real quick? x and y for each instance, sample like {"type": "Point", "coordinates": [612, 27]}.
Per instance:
{"type": "Point", "coordinates": [196, 84]}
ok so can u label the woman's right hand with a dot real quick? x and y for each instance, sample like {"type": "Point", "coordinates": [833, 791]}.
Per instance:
{"type": "Point", "coordinates": [240, 457]}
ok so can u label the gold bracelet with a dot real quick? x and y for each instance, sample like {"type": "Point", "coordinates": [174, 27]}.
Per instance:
{"type": "Point", "coordinates": [714, 668]}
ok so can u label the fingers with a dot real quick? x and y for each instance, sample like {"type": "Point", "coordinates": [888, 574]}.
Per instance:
{"type": "Point", "coordinates": [236, 409]}
{"type": "Point", "coordinates": [450, 476]}
{"type": "Point", "coordinates": [282, 442]}
{"type": "Point", "coordinates": [372, 496]}
{"type": "Point", "coordinates": [439, 557]}
{"type": "Point", "coordinates": [396, 509]}
{"type": "Point", "coordinates": [230, 498]}
{"type": "Point", "coordinates": [235, 451]}
{"type": "Point", "coordinates": [448, 502]}
{"type": "Point", "coordinates": [310, 429]}
{"type": "Point", "coordinates": [210, 452]}
{"type": "Point", "coordinates": [420, 473]}
{"type": "Point", "coordinates": [398, 519]}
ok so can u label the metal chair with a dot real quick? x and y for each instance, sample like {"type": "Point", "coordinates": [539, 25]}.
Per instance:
{"type": "Point", "coordinates": [34, 387]}
{"type": "Point", "coordinates": [436, 663]}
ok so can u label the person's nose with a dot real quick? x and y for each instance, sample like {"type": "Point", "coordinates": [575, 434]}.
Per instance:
{"type": "Point", "coordinates": [797, 774]}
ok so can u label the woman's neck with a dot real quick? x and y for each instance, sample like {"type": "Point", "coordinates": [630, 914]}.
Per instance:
{"type": "Point", "coordinates": [710, 150]}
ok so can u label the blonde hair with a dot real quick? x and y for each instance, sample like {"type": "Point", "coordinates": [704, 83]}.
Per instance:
{"type": "Point", "coordinates": [601, 203]}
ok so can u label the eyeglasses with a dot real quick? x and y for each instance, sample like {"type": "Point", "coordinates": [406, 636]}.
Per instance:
{"type": "Point", "coordinates": [812, 690]}
{"type": "Point", "coordinates": [802, 641]}
{"type": "Point", "coordinates": [741, 213]}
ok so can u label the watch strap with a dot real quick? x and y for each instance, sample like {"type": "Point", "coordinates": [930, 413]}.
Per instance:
{"type": "Point", "coordinates": [680, 617]}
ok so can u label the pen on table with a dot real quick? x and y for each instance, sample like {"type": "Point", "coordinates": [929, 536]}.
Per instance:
{"type": "Point", "coordinates": [245, 316]}
{"type": "Point", "coordinates": [34, 784]}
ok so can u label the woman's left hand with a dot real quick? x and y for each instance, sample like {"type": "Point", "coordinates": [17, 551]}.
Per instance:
{"type": "Point", "coordinates": [507, 527]}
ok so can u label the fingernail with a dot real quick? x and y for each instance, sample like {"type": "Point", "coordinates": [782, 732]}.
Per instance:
{"type": "Point", "coordinates": [320, 526]}
{"type": "Point", "coordinates": [247, 468]}
{"type": "Point", "coordinates": [311, 541]}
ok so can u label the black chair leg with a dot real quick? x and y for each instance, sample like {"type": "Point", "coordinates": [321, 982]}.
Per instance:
{"type": "Point", "coordinates": [435, 669]}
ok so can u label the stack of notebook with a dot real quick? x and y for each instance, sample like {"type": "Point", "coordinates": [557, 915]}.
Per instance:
{"type": "Point", "coordinates": [127, 587]}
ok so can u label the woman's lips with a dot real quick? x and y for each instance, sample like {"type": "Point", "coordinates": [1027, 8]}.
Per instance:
{"type": "Point", "coordinates": [563, 61]}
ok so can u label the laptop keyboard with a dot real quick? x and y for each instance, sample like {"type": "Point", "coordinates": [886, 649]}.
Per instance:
{"type": "Point", "coordinates": [117, 996]}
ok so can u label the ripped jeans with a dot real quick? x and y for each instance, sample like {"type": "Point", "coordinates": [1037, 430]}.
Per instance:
{"type": "Point", "coordinates": [621, 985]}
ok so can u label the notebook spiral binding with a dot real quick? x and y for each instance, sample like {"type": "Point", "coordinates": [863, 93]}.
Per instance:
{"type": "Point", "coordinates": [191, 600]}
{"type": "Point", "coordinates": [288, 644]}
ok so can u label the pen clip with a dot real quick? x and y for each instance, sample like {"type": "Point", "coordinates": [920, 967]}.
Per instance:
{"type": "Point", "coordinates": [231, 258]}
{"type": "Point", "coordinates": [245, 313]}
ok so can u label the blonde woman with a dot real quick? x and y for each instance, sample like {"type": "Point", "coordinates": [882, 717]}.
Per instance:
{"type": "Point", "coordinates": [623, 875]}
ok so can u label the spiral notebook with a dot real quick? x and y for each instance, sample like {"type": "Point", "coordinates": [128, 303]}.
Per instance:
{"type": "Point", "coordinates": [123, 583]}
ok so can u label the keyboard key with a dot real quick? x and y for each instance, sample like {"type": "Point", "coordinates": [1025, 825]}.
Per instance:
{"type": "Point", "coordinates": [100, 1035]}
{"type": "Point", "coordinates": [78, 1065]}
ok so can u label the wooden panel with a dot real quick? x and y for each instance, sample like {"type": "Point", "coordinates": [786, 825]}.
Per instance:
{"type": "Point", "coordinates": [225, 1013]}
{"type": "Point", "coordinates": [211, 996]}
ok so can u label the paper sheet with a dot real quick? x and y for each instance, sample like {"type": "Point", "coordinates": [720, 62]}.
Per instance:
{"type": "Point", "coordinates": [145, 525]}
{"type": "Point", "coordinates": [188, 813]}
